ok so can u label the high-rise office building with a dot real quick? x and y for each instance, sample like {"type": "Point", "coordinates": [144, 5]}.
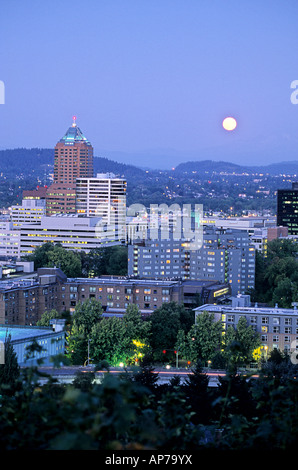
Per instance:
{"type": "Point", "coordinates": [73, 159]}
{"type": "Point", "coordinates": [287, 209]}
{"type": "Point", "coordinates": [105, 197]}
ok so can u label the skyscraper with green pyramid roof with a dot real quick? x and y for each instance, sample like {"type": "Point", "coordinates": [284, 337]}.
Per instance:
{"type": "Point", "coordinates": [73, 159]}
{"type": "Point", "coordinates": [73, 156]}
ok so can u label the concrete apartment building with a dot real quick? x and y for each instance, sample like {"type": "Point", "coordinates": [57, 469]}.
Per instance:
{"type": "Point", "coordinates": [277, 327]}
{"type": "Point", "coordinates": [226, 256]}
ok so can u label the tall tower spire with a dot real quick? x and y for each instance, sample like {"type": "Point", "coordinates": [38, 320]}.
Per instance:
{"type": "Point", "coordinates": [74, 118]}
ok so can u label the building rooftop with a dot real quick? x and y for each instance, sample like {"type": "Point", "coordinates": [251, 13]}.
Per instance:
{"type": "Point", "coordinates": [17, 284]}
{"type": "Point", "coordinates": [123, 280]}
{"type": "Point", "coordinates": [21, 332]}
{"type": "Point", "coordinates": [251, 309]}
{"type": "Point", "coordinates": [74, 135]}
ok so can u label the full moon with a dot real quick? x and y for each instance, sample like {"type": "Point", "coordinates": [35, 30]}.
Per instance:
{"type": "Point", "coordinates": [229, 123]}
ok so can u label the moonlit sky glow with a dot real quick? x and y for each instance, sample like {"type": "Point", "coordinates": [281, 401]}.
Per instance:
{"type": "Point", "coordinates": [150, 82]}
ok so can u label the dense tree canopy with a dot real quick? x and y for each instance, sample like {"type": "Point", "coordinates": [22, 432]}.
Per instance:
{"type": "Point", "coordinates": [166, 322]}
{"type": "Point", "coordinates": [137, 412]}
{"type": "Point", "coordinates": [51, 255]}
{"type": "Point", "coordinates": [277, 274]}
{"type": "Point", "coordinates": [110, 260]}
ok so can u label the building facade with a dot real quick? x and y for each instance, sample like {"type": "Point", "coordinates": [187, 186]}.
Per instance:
{"type": "Point", "coordinates": [73, 157]}
{"type": "Point", "coordinates": [9, 240]}
{"type": "Point", "coordinates": [225, 255]}
{"type": "Point", "coordinates": [51, 342]}
{"type": "Point", "coordinates": [277, 327]}
{"type": "Point", "coordinates": [60, 199]}
{"type": "Point", "coordinates": [23, 301]}
{"type": "Point", "coordinates": [287, 209]}
{"type": "Point", "coordinates": [117, 293]}
{"type": "Point", "coordinates": [105, 197]}
{"type": "Point", "coordinates": [70, 230]}
{"type": "Point", "coordinates": [30, 211]}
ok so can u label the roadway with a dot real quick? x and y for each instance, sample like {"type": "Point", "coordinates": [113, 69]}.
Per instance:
{"type": "Point", "coordinates": [68, 374]}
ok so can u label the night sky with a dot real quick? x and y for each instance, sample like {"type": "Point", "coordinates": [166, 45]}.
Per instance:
{"type": "Point", "coordinates": [151, 81]}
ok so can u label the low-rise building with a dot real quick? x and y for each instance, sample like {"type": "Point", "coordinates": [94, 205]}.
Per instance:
{"type": "Point", "coordinates": [117, 293]}
{"type": "Point", "coordinates": [72, 231]}
{"type": "Point", "coordinates": [52, 343]}
{"type": "Point", "coordinates": [23, 301]}
{"type": "Point", "coordinates": [277, 327]}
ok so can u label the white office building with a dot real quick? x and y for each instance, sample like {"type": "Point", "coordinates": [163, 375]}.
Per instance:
{"type": "Point", "coordinates": [74, 232]}
{"type": "Point", "coordinates": [103, 196]}
{"type": "Point", "coordinates": [9, 240]}
{"type": "Point", "coordinates": [30, 211]}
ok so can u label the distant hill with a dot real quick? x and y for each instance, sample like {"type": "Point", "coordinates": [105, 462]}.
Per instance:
{"type": "Point", "coordinates": [102, 165]}
{"type": "Point", "coordinates": [26, 161]}
{"type": "Point", "coordinates": [210, 166]}
{"type": "Point", "coordinates": [36, 162]}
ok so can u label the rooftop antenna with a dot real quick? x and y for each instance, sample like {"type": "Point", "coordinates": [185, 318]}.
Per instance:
{"type": "Point", "coordinates": [74, 118]}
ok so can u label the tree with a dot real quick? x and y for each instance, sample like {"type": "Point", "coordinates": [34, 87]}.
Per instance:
{"type": "Point", "coordinates": [166, 321]}
{"type": "Point", "coordinates": [108, 341]}
{"type": "Point", "coordinates": [137, 334]}
{"type": "Point", "coordinates": [40, 255]}
{"type": "Point", "coordinates": [47, 316]}
{"type": "Point", "coordinates": [277, 274]}
{"type": "Point", "coordinates": [68, 261]}
{"type": "Point", "coordinates": [240, 343]}
{"type": "Point", "coordinates": [51, 254]}
{"type": "Point", "coordinates": [77, 345]}
{"type": "Point", "coordinates": [285, 293]}
{"type": "Point", "coordinates": [110, 260]}
{"type": "Point", "coordinates": [85, 316]}
{"type": "Point", "coordinates": [204, 338]}
{"type": "Point", "coordinates": [197, 395]}
{"type": "Point", "coordinates": [120, 339]}
{"type": "Point", "coordinates": [10, 370]}
{"type": "Point", "coordinates": [117, 260]}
